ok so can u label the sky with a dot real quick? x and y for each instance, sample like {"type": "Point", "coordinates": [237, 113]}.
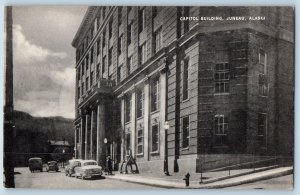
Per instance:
{"type": "Point", "coordinates": [44, 60]}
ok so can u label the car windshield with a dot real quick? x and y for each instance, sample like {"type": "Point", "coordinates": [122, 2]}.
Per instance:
{"type": "Point", "coordinates": [89, 163]}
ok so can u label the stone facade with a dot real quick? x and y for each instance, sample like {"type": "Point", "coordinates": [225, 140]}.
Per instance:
{"type": "Point", "coordinates": [225, 86]}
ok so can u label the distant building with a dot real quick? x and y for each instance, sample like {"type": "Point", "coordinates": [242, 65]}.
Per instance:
{"type": "Point", "coordinates": [226, 87]}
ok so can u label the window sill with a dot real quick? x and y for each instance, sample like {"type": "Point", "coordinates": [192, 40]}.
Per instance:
{"type": "Point", "coordinates": [139, 118]}
{"type": "Point", "coordinates": [140, 155]}
{"type": "Point", "coordinates": [183, 149]}
{"type": "Point", "coordinates": [186, 100]}
{"type": "Point", "coordinates": [154, 153]}
{"type": "Point", "coordinates": [154, 112]}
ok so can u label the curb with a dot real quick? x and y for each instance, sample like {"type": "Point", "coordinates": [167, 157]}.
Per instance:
{"type": "Point", "coordinates": [169, 185]}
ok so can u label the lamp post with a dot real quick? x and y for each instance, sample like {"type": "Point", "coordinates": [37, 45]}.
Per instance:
{"type": "Point", "coordinates": [166, 169]}
{"type": "Point", "coordinates": [105, 143]}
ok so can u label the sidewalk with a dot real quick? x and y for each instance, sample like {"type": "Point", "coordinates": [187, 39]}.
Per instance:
{"type": "Point", "coordinates": [176, 180]}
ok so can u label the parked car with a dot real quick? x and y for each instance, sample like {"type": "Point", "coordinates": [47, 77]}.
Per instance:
{"type": "Point", "coordinates": [87, 169]}
{"type": "Point", "coordinates": [52, 166]}
{"type": "Point", "coordinates": [35, 164]}
{"type": "Point", "coordinates": [69, 169]}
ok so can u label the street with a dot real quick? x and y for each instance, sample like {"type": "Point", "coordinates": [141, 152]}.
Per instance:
{"type": "Point", "coordinates": [57, 180]}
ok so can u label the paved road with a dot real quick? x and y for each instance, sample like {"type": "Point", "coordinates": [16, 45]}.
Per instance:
{"type": "Point", "coordinates": [280, 183]}
{"type": "Point", "coordinates": [52, 180]}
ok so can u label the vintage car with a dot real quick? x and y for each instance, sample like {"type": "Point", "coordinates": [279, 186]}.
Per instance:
{"type": "Point", "coordinates": [35, 164]}
{"type": "Point", "coordinates": [69, 169]}
{"type": "Point", "coordinates": [87, 169]}
{"type": "Point", "coordinates": [52, 166]}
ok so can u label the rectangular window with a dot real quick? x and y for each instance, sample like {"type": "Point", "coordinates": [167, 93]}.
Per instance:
{"type": "Point", "coordinates": [154, 11]}
{"type": "Point", "coordinates": [143, 53]}
{"type": "Point", "coordinates": [158, 40]}
{"type": "Point", "coordinates": [82, 88]}
{"type": "Point", "coordinates": [185, 83]}
{"type": "Point", "coordinates": [110, 56]}
{"type": "Point", "coordinates": [129, 9]}
{"type": "Point", "coordinates": [104, 38]}
{"type": "Point", "coordinates": [142, 21]}
{"type": "Point", "coordinates": [140, 102]}
{"type": "Point", "coordinates": [222, 78]}
{"type": "Point", "coordinates": [129, 34]}
{"type": "Point", "coordinates": [262, 58]}
{"type": "Point", "coordinates": [263, 89]}
{"type": "Point", "coordinates": [128, 141]}
{"type": "Point", "coordinates": [98, 47]}
{"type": "Point", "coordinates": [140, 140]}
{"type": "Point", "coordinates": [98, 70]}
{"type": "Point", "coordinates": [103, 12]}
{"type": "Point", "coordinates": [129, 65]}
{"type": "Point", "coordinates": [92, 32]}
{"type": "Point", "coordinates": [185, 132]}
{"type": "Point", "coordinates": [262, 129]}
{"type": "Point", "coordinates": [87, 83]}
{"type": "Point", "coordinates": [78, 92]}
{"type": "Point", "coordinates": [155, 138]}
{"type": "Point", "coordinates": [120, 15]}
{"type": "Point", "coordinates": [103, 64]}
{"type": "Point", "coordinates": [91, 78]}
{"type": "Point", "coordinates": [221, 129]}
{"type": "Point", "coordinates": [110, 29]}
{"type": "Point", "coordinates": [119, 73]}
{"type": "Point", "coordinates": [127, 109]}
{"type": "Point", "coordinates": [82, 69]}
{"type": "Point", "coordinates": [87, 62]}
{"type": "Point", "coordinates": [92, 55]}
{"type": "Point", "coordinates": [155, 94]}
{"type": "Point", "coordinates": [120, 44]}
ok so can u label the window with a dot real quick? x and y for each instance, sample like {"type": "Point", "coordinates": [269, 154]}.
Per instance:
{"type": "Point", "coordinates": [221, 128]}
{"type": "Point", "coordinates": [98, 70]}
{"type": "Point", "coordinates": [103, 12]}
{"type": "Point", "coordinates": [110, 56]}
{"type": "Point", "coordinates": [142, 20]}
{"type": "Point", "coordinates": [129, 36]}
{"type": "Point", "coordinates": [127, 109]}
{"type": "Point", "coordinates": [104, 64]}
{"type": "Point", "coordinates": [186, 24]}
{"type": "Point", "coordinates": [120, 73]}
{"type": "Point", "coordinates": [129, 65]}
{"type": "Point", "coordinates": [129, 9]}
{"type": "Point", "coordinates": [82, 69]}
{"type": "Point", "coordinates": [155, 94]}
{"type": "Point", "coordinates": [91, 78]}
{"type": "Point", "coordinates": [110, 27]}
{"type": "Point", "coordinates": [263, 89]}
{"type": "Point", "coordinates": [92, 55]}
{"type": "Point", "coordinates": [98, 47]}
{"type": "Point", "coordinates": [92, 32]}
{"type": "Point", "coordinates": [155, 138]}
{"type": "Point", "coordinates": [87, 62]}
{"type": "Point", "coordinates": [262, 58]}
{"type": "Point", "coordinates": [140, 140]}
{"type": "Point", "coordinates": [158, 40]}
{"type": "Point", "coordinates": [222, 78]}
{"type": "Point", "coordinates": [185, 83]}
{"type": "Point", "coordinates": [87, 83]}
{"type": "Point", "coordinates": [185, 132]}
{"type": "Point", "coordinates": [104, 38]}
{"type": "Point", "coordinates": [120, 44]}
{"type": "Point", "coordinates": [82, 88]}
{"type": "Point", "coordinates": [78, 92]}
{"type": "Point", "coordinates": [143, 53]}
{"type": "Point", "coordinates": [140, 102]}
{"type": "Point", "coordinates": [262, 129]}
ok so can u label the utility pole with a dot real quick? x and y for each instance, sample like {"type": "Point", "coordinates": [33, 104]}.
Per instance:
{"type": "Point", "coordinates": [9, 106]}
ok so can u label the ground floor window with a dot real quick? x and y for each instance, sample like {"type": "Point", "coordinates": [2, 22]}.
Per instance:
{"type": "Point", "coordinates": [128, 142]}
{"type": "Point", "coordinates": [262, 129]}
{"type": "Point", "coordinates": [221, 129]}
{"type": "Point", "coordinates": [140, 140]}
{"type": "Point", "coordinates": [155, 138]}
{"type": "Point", "coordinates": [185, 132]}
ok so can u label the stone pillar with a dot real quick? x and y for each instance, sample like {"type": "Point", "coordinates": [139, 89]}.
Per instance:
{"type": "Point", "coordinates": [133, 122]}
{"type": "Point", "coordinates": [86, 139]}
{"type": "Point", "coordinates": [162, 114]}
{"type": "Point", "coordinates": [92, 143]}
{"type": "Point", "coordinates": [81, 139]}
{"type": "Point", "coordinates": [100, 134]}
{"type": "Point", "coordinates": [123, 129]}
{"type": "Point", "coordinates": [146, 119]}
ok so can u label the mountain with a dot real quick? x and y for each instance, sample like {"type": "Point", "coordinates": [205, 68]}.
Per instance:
{"type": "Point", "coordinates": [32, 135]}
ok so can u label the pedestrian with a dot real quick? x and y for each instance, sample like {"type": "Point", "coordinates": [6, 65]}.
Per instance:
{"type": "Point", "coordinates": [109, 165]}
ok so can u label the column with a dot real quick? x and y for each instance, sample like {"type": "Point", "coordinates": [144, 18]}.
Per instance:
{"type": "Point", "coordinates": [146, 119]}
{"type": "Point", "coordinates": [92, 135]}
{"type": "Point", "coordinates": [75, 143]}
{"type": "Point", "coordinates": [123, 128]}
{"type": "Point", "coordinates": [133, 121]}
{"type": "Point", "coordinates": [81, 138]}
{"type": "Point", "coordinates": [162, 114]}
{"type": "Point", "coordinates": [100, 134]}
{"type": "Point", "coordinates": [86, 142]}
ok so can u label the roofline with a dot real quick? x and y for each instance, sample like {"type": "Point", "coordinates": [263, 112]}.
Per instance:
{"type": "Point", "coordinates": [81, 27]}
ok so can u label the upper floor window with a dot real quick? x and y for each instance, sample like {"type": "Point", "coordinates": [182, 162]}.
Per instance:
{"type": "Point", "coordinates": [158, 40]}
{"type": "Point", "coordinates": [120, 44]}
{"type": "Point", "coordinates": [154, 11]}
{"type": "Point", "coordinates": [142, 19]}
{"type": "Point", "coordinates": [103, 12]}
{"type": "Point", "coordinates": [98, 47]}
{"type": "Point", "coordinates": [129, 9]}
{"type": "Point", "coordinates": [120, 15]}
{"type": "Point", "coordinates": [155, 138]}
{"type": "Point", "coordinates": [120, 73]}
{"type": "Point", "coordinates": [82, 69]}
{"type": "Point", "coordinates": [143, 53]}
{"type": "Point", "coordinates": [186, 24]}
{"type": "Point", "coordinates": [140, 102]}
{"type": "Point", "coordinates": [263, 89]}
{"type": "Point", "coordinates": [87, 62]}
{"type": "Point", "coordinates": [129, 65]}
{"type": "Point", "coordinates": [185, 132]}
{"type": "Point", "coordinates": [129, 33]}
{"type": "Point", "coordinates": [262, 58]}
{"type": "Point", "coordinates": [222, 78]}
{"type": "Point", "coordinates": [155, 94]}
{"type": "Point", "coordinates": [140, 140]}
{"type": "Point", "coordinates": [91, 78]}
{"type": "Point", "coordinates": [110, 28]}
{"type": "Point", "coordinates": [92, 55]}
{"type": "Point", "coordinates": [185, 79]}
{"type": "Point", "coordinates": [103, 64]}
